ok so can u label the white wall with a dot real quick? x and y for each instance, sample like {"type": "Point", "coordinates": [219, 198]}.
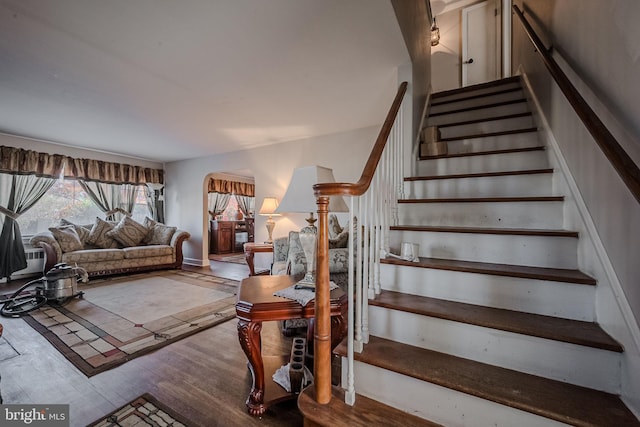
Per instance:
{"type": "Point", "coordinates": [599, 41]}
{"type": "Point", "coordinates": [272, 167]}
{"type": "Point", "coordinates": [445, 57]}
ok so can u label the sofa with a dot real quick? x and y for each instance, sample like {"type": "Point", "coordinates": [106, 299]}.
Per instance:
{"type": "Point", "coordinates": [106, 248]}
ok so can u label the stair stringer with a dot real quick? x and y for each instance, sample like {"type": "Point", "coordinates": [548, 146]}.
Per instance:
{"type": "Point", "coordinates": [613, 312]}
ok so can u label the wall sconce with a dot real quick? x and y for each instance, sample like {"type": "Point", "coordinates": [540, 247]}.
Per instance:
{"type": "Point", "coordinates": [435, 34]}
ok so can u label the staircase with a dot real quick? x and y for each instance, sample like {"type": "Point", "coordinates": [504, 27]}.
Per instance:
{"type": "Point", "coordinates": [495, 325]}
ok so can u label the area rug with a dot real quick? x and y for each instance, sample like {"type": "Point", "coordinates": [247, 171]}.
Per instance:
{"type": "Point", "coordinates": [121, 318]}
{"type": "Point", "coordinates": [146, 410]}
{"type": "Point", "coordinates": [235, 259]}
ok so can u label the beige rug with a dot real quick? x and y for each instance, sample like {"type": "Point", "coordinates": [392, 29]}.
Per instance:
{"type": "Point", "coordinates": [121, 318]}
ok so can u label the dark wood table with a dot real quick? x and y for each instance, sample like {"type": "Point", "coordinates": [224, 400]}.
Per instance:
{"type": "Point", "coordinates": [256, 304]}
{"type": "Point", "coordinates": [250, 249]}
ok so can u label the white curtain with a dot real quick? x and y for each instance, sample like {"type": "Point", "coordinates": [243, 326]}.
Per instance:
{"type": "Point", "coordinates": [218, 202]}
{"type": "Point", "coordinates": [18, 194]}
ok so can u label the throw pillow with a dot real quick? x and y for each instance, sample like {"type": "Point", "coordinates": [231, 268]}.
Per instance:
{"type": "Point", "coordinates": [334, 226]}
{"type": "Point", "coordinates": [67, 238]}
{"type": "Point", "coordinates": [296, 259]}
{"type": "Point", "coordinates": [83, 232]}
{"type": "Point", "coordinates": [341, 240]}
{"type": "Point", "coordinates": [98, 237]}
{"type": "Point", "coordinates": [159, 234]}
{"type": "Point", "coordinates": [128, 232]}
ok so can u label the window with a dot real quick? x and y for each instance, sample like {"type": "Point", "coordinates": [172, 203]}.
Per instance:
{"type": "Point", "coordinates": [66, 199]}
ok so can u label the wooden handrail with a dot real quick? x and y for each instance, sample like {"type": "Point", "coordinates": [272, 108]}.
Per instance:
{"type": "Point", "coordinates": [622, 163]}
{"type": "Point", "coordinates": [360, 187]}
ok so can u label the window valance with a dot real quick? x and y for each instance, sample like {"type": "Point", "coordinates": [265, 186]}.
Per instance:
{"type": "Point", "coordinates": [17, 161]}
{"type": "Point", "coordinates": [112, 173]}
{"type": "Point", "coordinates": [231, 187]}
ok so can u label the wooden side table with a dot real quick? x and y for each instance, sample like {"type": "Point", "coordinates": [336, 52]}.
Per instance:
{"type": "Point", "coordinates": [250, 249]}
{"type": "Point", "coordinates": [256, 303]}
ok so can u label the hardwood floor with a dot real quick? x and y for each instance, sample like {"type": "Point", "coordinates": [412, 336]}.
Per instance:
{"type": "Point", "coordinates": [204, 377]}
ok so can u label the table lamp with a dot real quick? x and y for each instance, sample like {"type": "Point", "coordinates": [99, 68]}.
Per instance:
{"type": "Point", "coordinates": [299, 198]}
{"type": "Point", "coordinates": [268, 208]}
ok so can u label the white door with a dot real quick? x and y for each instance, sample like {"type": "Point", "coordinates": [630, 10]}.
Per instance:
{"type": "Point", "coordinates": [480, 43]}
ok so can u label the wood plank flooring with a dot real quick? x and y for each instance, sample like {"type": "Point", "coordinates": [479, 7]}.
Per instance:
{"type": "Point", "coordinates": [204, 377]}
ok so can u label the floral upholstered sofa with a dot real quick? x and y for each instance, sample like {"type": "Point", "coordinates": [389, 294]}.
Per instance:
{"type": "Point", "coordinates": [106, 248]}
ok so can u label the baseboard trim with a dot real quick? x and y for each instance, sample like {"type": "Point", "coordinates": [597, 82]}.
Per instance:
{"type": "Point", "coordinates": [195, 262]}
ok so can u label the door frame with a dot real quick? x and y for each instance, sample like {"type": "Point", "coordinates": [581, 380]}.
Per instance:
{"type": "Point", "coordinates": [464, 52]}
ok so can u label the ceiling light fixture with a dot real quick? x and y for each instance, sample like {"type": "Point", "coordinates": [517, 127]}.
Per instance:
{"type": "Point", "coordinates": [435, 34]}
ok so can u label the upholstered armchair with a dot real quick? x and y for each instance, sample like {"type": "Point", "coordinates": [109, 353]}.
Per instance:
{"type": "Point", "coordinates": [288, 256]}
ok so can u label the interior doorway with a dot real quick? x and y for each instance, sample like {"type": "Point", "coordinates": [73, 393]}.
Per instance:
{"type": "Point", "coordinates": [481, 59]}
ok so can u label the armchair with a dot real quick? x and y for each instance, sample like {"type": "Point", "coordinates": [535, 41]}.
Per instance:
{"type": "Point", "coordinates": [288, 256]}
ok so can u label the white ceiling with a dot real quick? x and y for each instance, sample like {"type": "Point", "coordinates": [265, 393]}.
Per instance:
{"type": "Point", "coordinates": [166, 80]}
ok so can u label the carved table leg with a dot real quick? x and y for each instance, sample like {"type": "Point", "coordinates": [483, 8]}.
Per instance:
{"type": "Point", "coordinates": [248, 256]}
{"type": "Point", "coordinates": [250, 341]}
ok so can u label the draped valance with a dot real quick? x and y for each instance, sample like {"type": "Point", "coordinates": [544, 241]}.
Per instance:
{"type": "Point", "coordinates": [18, 161]}
{"type": "Point", "coordinates": [231, 187]}
{"type": "Point", "coordinates": [112, 173]}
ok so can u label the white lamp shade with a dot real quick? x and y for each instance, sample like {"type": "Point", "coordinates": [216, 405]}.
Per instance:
{"type": "Point", "coordinates": [269, 206]}
{"type": "Point", "coordinates": [299, 196]}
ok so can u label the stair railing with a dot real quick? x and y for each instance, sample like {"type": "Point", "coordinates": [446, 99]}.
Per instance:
{"type": "Point", "coordinates": [622, 163]}
{"type": "Point", "coordinates": [372, 209]}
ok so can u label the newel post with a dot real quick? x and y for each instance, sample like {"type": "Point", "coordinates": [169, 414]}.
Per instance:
{"type": "Point", "coordinates": [322, 338]}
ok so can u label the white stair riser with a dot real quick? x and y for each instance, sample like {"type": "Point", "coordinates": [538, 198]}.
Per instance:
{"type": "Point", "coordinates": [482, 113]}
{"type": "Point", "coordinates": [575, 364]}
{"type": "Point", "coordinates": [484, 163]}
{"type": "Point", "coordinates": [535, 251]}
{"type": "Point", "coordinates": [476, 102]}
{"type": "Point", "coordinates": [486, 127]}
{"type": "Point", "coordinates": [487, 91]}
{"type": "Point", "coordinates": [539, 184]}
{"type": "Point", "coordinates": [530, 215]}
{"type": "Point", "coordinates": [489, 143]}
{"type": "Point", "coordinates": [558, 299]}
{"type": "Point", "coordinates": [438, 404]}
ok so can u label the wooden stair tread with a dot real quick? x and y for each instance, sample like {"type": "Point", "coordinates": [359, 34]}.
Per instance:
{"type": "Point", "coordinates": [498, 199]}
{"type": "Point", "coordinates": [479, 175]}
{"type": "Point", "coordinates": [484, 230]}
{"type": "Point", "coordinates": [520, 271]}
{"type": "Point", "coordinates": [490, 119]}
{"type": "Point", "coordinates": [365, 412]}
{"type": "Point", "coordinates": [472, 88]}
{"type": "Point", "coordinates": [479, 107]}
{"type": "Point", "coordinates": [557, 400]}
{"type": "Point", "coordinates": [485, 153]}
{"type": "Point", "coordinates": [489, 134]}
{"type": "Point", "coordinates": [437, 103]}
{"type": "Point", "coordinates": [578, 332]}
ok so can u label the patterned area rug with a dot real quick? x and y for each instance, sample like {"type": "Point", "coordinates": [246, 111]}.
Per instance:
{"type": "Point", "coordinates": [124, 317]}
{"type": "Point", "coordinates": [236, 259]}
{"type": "Point", "coordinates": [143, 411]}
